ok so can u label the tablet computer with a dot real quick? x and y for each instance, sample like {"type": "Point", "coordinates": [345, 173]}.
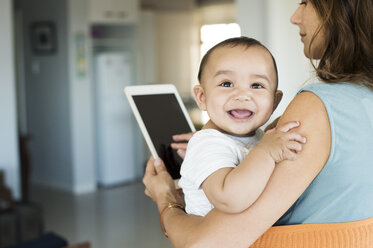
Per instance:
{"type": "Point", "coordinates": [160, 113]}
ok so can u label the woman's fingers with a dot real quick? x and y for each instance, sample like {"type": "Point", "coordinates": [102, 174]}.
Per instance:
{"type": "Point", "coordinates": [159, 165]}
{"type": "Point", "coordinates": [158, 183]}
{"type": "Point", "coordinates": [154, 166]}
{"type": "Point", "coordinates": [183, 136]}
{"type": "Point", "coordinates": [150, 167]}
{"type": "Point", "coordinates": [149, 173]}
{"type": "Point", "coordinates": [178, 146]}
{"type": "Point", "coordinates": [181, 148]}
{"type": "Point", "coordinates": [181, 153]}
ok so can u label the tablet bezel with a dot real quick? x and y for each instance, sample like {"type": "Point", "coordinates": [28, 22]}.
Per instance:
{"type": "Point", "coordinates": [153, 89]}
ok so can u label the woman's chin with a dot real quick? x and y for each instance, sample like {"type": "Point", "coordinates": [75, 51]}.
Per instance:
{"type": "Point", "coordinates": [314, 55]}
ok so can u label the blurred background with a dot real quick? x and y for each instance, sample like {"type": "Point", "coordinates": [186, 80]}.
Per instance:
{"type": "Point", "coordinates": [70, 148]}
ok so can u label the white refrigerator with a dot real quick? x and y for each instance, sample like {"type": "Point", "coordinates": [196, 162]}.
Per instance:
{"type": "Point", "coordinates": [115, 124]}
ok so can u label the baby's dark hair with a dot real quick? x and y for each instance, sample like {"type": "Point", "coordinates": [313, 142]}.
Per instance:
{"type": "Point", "coordinates": [244, 41]}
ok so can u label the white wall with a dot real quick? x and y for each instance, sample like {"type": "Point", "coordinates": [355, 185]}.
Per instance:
{"type": "Point", "coordinates": [176, 34]}
{"type": "Point", "coordinates": [217, 13]}
{"type": "Point", "coordinates": [59, 99]}
{"type": "Point", "coordinates": [147, 73]}
{"type": "Point", "coordinates": [269, 22]}
{"type": "Point", "coordinates": [47, 95]}
{"type": "Point", "coordinates": [81, 105]}
{"type": "Point", "coordinates": [9, 161]}
{"type": "Point", "coordinates": [285, 44]}
{"type": "Point", "coordinates": [60, 109]}
{"type": "Point", "coordinates": [252, 17]}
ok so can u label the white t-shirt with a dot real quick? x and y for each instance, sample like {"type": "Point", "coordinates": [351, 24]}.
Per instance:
{"type": "Point", "coordinates": [208, 151]}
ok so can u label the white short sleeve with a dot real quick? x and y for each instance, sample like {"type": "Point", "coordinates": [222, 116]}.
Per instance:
{"type": "Point", "coordinates": [208, 151]}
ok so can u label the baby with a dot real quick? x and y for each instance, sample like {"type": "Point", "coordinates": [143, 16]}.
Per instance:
{"type": "Point", "coordinates": [238, 89]}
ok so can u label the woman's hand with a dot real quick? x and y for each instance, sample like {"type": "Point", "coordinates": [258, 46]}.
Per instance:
{"type": "Point", "coordinates": [159, 185]}
{"type": "Point", "coordinates": [181, 147]}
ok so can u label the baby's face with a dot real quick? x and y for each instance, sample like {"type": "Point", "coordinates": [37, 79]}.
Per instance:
{"type": "Point", "coordinates": [238, 89]}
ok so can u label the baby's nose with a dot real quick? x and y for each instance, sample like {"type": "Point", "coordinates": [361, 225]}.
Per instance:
{"type": "Point", "coordinates": [242, 96]}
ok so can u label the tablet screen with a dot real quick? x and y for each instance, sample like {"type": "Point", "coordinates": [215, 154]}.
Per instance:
{"type": "Point", "coordinates": [163, 117]}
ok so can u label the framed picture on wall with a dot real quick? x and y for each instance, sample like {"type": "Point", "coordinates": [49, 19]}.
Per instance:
{"type": "Point", "coordinates": [44, 38]}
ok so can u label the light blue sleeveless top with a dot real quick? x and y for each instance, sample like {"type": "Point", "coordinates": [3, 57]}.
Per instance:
{"type": "Point", "coordinates": [343, 190]}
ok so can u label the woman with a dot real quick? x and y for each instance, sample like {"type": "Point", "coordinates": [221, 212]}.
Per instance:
{"type": "Point", "coordinates": [331, 180]}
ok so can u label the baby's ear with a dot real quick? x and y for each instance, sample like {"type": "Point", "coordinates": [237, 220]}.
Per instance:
{"type": "Point", "coordinates": [278, 97]}
{"type": "Point", "coordinates": [200, 97]}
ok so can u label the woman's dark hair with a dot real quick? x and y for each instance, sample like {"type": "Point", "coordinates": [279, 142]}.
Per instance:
{"type": "Point", "coordinates": [347, 26]}
{"type": "Point", "coordinates": [233, 42]}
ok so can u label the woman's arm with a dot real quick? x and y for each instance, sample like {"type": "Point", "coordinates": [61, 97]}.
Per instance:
{"type": "Point", "coordinates": [287, 183]}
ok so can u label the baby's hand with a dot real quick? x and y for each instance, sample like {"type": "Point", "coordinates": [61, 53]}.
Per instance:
{"type": "Point", "coordinates": [282, 144]}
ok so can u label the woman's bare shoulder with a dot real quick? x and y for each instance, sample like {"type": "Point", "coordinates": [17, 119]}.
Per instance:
{"type": "Point", "coordinates": [308, 107]}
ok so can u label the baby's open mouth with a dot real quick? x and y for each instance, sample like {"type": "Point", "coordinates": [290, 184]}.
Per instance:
{"type": "Point", "coordinates": [240, 113]}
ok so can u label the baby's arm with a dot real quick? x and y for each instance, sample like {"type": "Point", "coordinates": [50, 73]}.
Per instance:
{"type": "Point", "coordinates": [233, 190]}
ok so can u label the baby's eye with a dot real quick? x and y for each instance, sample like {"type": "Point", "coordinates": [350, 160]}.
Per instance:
{"type": "Point", "coordinates": [226, 84]}
{"type": "Point", "coordinates": [303, 2]}
{"type": "Point", "coordinates": [257, 86]}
